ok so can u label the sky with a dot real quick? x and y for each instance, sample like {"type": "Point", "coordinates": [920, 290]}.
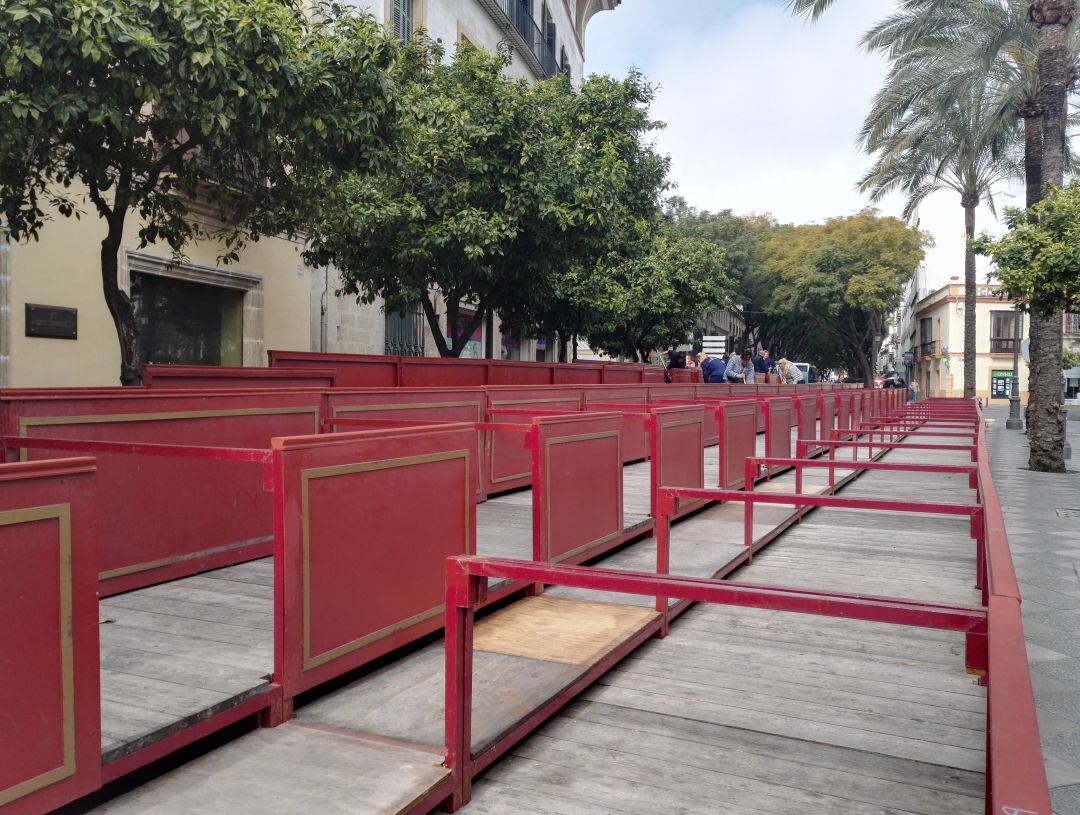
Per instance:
{"type": "Point", "coordinates": [763, 110]}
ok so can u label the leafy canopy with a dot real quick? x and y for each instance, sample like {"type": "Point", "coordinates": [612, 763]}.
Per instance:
{"type": "Point", "coordinates": [843, 277]}
{"type": "Point", "coordinates": [141, 104]}
{"type": "Point", "coordinates": [1038, 259]}
{"type": "Point", "coordinates": [655, 300]}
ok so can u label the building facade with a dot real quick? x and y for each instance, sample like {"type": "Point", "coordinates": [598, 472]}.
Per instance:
{"type": "Point", "coordinates": [932, 332]}
{"type": "Point", "coordinates": [199, 312]}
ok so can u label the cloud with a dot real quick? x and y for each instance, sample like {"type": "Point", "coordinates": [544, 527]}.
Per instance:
{"type": "Point", "coordinates": [763, 111]}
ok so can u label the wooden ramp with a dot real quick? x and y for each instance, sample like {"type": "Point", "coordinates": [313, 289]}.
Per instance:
{"type": "Point", "coordinates": [745, 710]}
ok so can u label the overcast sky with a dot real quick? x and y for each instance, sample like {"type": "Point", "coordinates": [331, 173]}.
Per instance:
{"type": "Point", "coordinates": [763, 110]}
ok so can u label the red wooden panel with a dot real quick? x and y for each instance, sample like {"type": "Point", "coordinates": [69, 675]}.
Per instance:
{"type": "Point", "coordinates": [50, 719]}
{"type": "Point", "coordinates": [687, 376]}
{"type": "Point", "coordinates": [577, 491]}
{"type": "Point", "coordinates": [578, 373]}
{"type": "Point", "coordinates": [618, 394]}
{"type": "Point", "coordinates": [778, 422]}
{"type": "Point", "coordinates": [713, 390]}
{"type": "Point", "coordinates": [365, 523]}
{"type": "Point", "coordinates": [806, 407]}
{"type": "Point", "coordinates": [508, 463]}
{"type": "Point", "coordinates": [652, 374]}
{"type": "Point", "coordinates": [422, 405]}
{"type": "Point", "coordinates": [421, 372]}
{"type": "Point", "coordinates": [351, 370]}
{"type": "Point", "coordinates": [738, 440]}
{"type": "Point", "coordinates": [677, 450]}
{"type": "Point", "coordinates": [622, 374]}
{"type": "Point", "coordinates": [207, 377]}
{"type": "Point", "coordinates": [843, 416]}
{"type": "Point", "coordinates": [827, 408]}
{"type": "Point", "coordinates": [672, 391]}
{"type": "Point", "coordinates": [163, 518]}
{"type": "Point", "coordinates": [519, 373]}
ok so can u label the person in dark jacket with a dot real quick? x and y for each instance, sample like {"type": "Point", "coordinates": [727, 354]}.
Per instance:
{"type": "Point", "coordinates": [763, 363]}
{"type": "Point", "coordinates": [712, 370]}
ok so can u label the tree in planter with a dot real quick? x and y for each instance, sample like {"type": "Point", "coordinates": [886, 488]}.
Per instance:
{"type": "Point", "coordinates": [1038, 263]}
{"type": "Point", "coordinates": [152, 109]}
{"type": "Point", "coordinates": [654, 301]}
{"type": "Point", "coordinates": [467, 211]}
{"type": "Point", "coordinates": [843, 278]}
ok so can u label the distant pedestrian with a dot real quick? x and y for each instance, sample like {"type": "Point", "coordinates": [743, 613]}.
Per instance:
{"type": "Point", "coordinates": [763, 364]}
{"type": "Point", "coordinates": [892, 379]}
{"type": "Point", "coordinates": [712, 370]}
{"type": "Point", "coordinates": [913, 389]}
{"type": "Point", "coordinates": [676, 359]}
{"type": "Point", "coordinates": [740, 370]}
{"type": "Point", "coordinates": [788, 372]}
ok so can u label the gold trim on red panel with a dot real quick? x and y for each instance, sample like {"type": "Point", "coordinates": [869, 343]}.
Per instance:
{"type": "Point", "coordinates": [62, 514]}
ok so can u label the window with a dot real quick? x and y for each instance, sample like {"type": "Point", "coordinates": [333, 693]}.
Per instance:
{"type": "Point", "coordinates": [1072, 323]}
{"type": "Point", "coordinates": [548, 48]}
{"type": "Point", "coordinates": [564, 62]}
{"type": "Point", "coordinates": [1002, 332]}
{"type": "Point", "coordinates": [185, 323]}
{"type": "Point", "coordinates": [474, 345]}
{"type": "Point", "coordinates": [405, 332]}
{"type": "Point", "coordinates": [401, 17]}
{"type": "Point", "coordinates": [926, 329]}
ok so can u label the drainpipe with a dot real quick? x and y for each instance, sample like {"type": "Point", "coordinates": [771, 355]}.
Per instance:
{"type": "Point", "coordinates": [5, 308]}
{"type": "Point", "coordinates": [323, 309]}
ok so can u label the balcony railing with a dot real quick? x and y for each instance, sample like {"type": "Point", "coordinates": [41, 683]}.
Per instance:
{"type": "Point", "coordinates": [515, 19]}
{"type": "Point", "coordinates": [928, 349]}
{"type": "Point", "coordinates": [1002, 345]}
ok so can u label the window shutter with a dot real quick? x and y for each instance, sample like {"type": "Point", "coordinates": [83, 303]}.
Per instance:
{"type": "Point", "coordinates": [401, 18]}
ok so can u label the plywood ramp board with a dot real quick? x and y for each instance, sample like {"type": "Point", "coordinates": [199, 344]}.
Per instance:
{"type": "Point", "coordinates": [559, 629]}
{"type": "Point", "coordinates": [289, 770]}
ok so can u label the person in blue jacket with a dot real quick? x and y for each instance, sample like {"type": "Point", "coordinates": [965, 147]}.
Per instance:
{"type": "Point", "coordinates": [712, 370]}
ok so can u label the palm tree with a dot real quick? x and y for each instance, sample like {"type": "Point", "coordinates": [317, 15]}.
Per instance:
{"type": "Point", "coordinates": [923, 146]}
{"type": "Point", "coordinates": [1050, 30]}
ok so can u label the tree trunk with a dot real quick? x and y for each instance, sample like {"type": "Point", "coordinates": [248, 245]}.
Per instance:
{"type": "Point", "coordinates": [1033, 158]}
{"type": "Point", "coordinates": [433, 324]}
{"type": "Point", "coordinates": [1046, 426]}
{"type": "Point", "coordinates": [969, 299]}
{"type": "Point", "coordinates": [119, 304]}
{"type": "Point", "coordinates": [574, 341]}
{"type": "Point", "coordinates": [489, 333]}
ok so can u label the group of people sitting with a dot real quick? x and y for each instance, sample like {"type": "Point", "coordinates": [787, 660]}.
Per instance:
{"type": "Point", "coordinates": [741, 369]}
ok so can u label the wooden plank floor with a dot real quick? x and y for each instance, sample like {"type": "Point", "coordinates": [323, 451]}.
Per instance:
{"type": "Point", "coordinates": [744, 710]}
{"type": "Point", "coordinates": [176, 653]}
{"type": "Point", "coordinates": [179, 652]}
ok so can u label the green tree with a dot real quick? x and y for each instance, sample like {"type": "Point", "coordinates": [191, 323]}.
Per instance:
{"type": "Point", "coordinates": [611, 182]}
{"type": "Point", "coordinates": [1038, 259]}
{"type": "Point", "coordinates": [146, 109]}
{"type": "Point", "coordinates": [500, 193]}
{"type": "Point", "coordinates": [654, 300]}
{"type": "Point", "coordinates": [922, 146]}
{"type": "Point", "coordinates": [843, 278]}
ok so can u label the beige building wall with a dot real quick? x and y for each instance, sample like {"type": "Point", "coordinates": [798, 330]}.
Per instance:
{"type": "Point", "coordinates": [939, 365]}
{"type": "Point", "coordinates": [64, 269]}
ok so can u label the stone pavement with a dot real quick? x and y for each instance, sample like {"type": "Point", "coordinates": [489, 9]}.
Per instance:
{"type": "Point", "coordinates": [1045, 541]}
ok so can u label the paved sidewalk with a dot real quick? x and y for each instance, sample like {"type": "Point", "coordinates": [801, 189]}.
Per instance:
{"type": "Point", "coordinates": [1046, 551]}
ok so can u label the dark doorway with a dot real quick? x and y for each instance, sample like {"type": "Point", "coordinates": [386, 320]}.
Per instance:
{"type": "Point", "coordinates": [185, 323]}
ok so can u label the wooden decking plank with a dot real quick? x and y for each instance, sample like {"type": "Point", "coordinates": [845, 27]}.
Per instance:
{"type": "Point", "coordinates": [194, 673]}
{"type": "Point", "coordinates": [672, 777]}
{"type": "Point", "coordinates": [257, 658]}
{"type": "Point", "coordinates": [225, 633]}
{"type": "Point", "coordinates": [846, 777]}
{"type": "Point", "coordinates": [257, 620]}
{"type": "Point", "coordinates": [405, 700]}
{"type": "Point", "coordinates": [288, 770]}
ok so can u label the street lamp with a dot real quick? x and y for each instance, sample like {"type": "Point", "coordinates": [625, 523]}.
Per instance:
{"type": "Point", "coordinates": [1015, 420]}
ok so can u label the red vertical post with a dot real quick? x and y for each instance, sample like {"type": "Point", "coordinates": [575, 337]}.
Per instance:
{"type": "Point", "coordinates": [460, 592]}
{"type": "Point", "coordinates": [663, 560]}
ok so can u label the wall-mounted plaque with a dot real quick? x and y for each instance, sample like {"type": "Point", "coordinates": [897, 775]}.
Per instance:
{"type": "Point", "coordinates": [52, 321]}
